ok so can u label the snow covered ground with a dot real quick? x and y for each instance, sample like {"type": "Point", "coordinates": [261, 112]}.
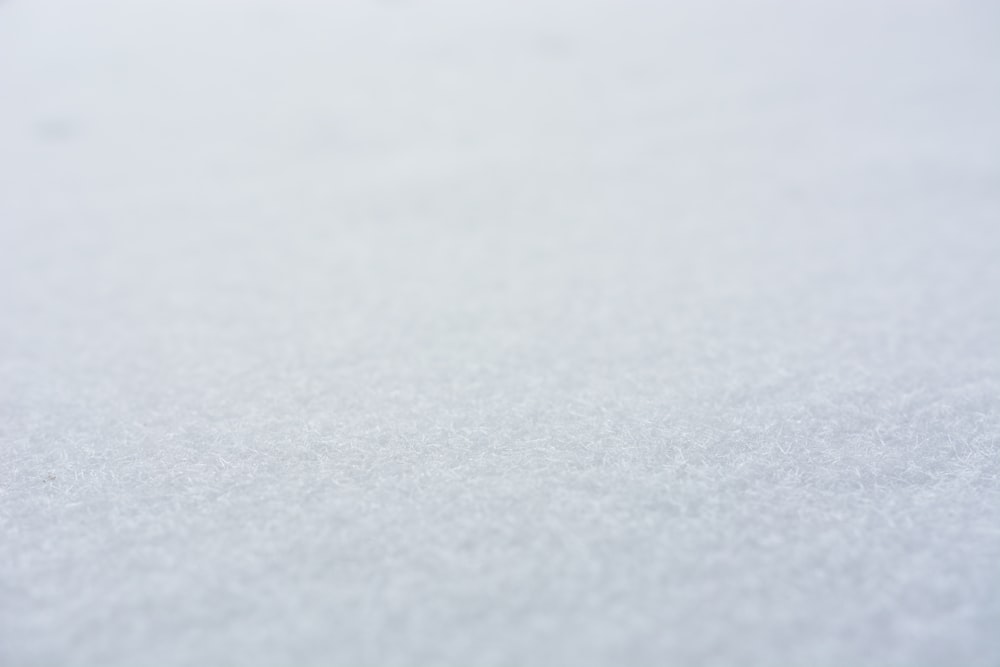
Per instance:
{"type": "Point", "coordinates": [418, 332]}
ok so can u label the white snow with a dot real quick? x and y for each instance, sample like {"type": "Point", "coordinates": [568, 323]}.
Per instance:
{"type": "Point", "coordinates": [417, 332]}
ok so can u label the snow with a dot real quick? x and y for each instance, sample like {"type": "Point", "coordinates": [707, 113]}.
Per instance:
{"type": "Point", "coordinates": [500, 333]}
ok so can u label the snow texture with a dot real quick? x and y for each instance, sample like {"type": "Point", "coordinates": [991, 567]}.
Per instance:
{"type": "Point", "coordinates": [418, 332]}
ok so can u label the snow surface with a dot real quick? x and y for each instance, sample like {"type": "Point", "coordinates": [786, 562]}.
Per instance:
{"type": "Point", "coordinates": [416, 332]}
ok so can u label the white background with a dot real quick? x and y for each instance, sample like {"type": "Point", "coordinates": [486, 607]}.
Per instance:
{"type": "Point", "coordinates": [499, 333]}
